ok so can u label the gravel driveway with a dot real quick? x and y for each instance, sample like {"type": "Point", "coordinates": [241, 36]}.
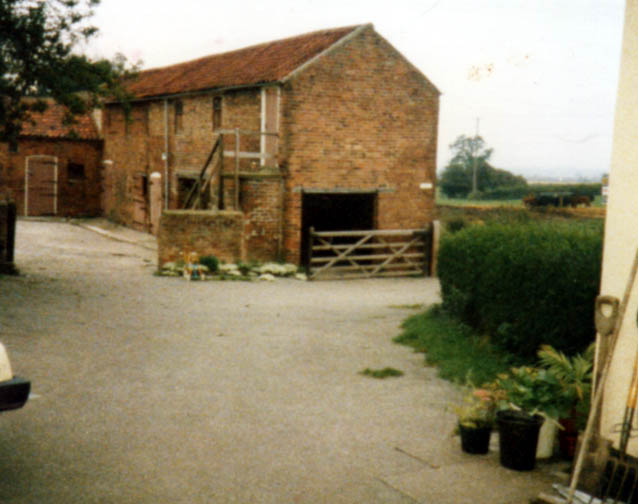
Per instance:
{"type": "Point", "coordinates": [151, 389]}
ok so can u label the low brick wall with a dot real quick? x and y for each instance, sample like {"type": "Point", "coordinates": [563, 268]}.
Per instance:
{"type": "Point", "coordinates": [218, 233]}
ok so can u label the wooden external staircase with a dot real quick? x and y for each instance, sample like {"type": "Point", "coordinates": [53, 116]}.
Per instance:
{"type": "Point", "coordinates": [211, 176]}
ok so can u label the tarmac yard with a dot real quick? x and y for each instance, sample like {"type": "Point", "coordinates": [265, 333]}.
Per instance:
{"type": "Point", "coordinates": [150, 389]}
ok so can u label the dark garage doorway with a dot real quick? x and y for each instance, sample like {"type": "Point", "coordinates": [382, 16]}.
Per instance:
{"type": "Point", "coordinates": [336, 212]}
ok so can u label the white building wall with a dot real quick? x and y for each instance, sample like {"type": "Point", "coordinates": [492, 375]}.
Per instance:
{"type": "Point", "coordinates": [621, 229]}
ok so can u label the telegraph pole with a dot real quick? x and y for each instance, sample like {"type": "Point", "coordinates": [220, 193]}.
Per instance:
{"type": "Point", "coordinates": [474, 167]}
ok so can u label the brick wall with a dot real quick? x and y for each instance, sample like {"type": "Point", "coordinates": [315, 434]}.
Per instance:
{"type": "Point", "coordinates": [77, 195]}
{"type": "Point", "coordinates": [360, 118]}
{"type": "Point", "coordinates": [261, 203]}
{"type": "Point", "coordinates": [136, 148]}
{"type": "Point", "coordinates": [207, 233]}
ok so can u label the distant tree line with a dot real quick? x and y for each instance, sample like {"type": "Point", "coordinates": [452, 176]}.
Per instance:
{"type": "Point", "coordinates": [469, 174]}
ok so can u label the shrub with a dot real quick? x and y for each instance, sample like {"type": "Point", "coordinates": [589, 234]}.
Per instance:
{"type": "Point", "coordinates": [211, 262]}
{"type": "Point", "coordinates": [591, 190]}
{"type": "Point", "coordinates": [456, 224]}
{"type": "Point", "coordinates": [524, 284]}
{"type": "Point", "coordinates": [505, 193]}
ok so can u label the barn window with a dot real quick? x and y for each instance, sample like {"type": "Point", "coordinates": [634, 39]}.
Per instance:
{"type": "Point", "coordinates": [217, 112]}
{"type": "Point", "coordinates": [75, 171]}
{"type": "Point", "coordinates": [146, 119]}
{"type": "Point", "coordinates": [179, 116]}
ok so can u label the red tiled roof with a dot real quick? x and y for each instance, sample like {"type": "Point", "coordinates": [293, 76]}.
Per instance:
{"type": "Point", "coordinates": [50, 124]}
{"type": "Point", "coordinates": [268, 62]}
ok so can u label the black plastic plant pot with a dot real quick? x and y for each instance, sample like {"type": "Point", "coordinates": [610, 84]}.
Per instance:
{"type": "Point", "coordinates": [518, 437]}
{"type": "Point", "coordinates": [475, 440]}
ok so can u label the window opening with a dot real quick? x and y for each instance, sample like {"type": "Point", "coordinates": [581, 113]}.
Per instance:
{"type": "Point", "coordinates": [217, 112]}
{"type": "Point", "coordinates": [179, 116]}
{"type": "Point", "coordinates": [75, 171]}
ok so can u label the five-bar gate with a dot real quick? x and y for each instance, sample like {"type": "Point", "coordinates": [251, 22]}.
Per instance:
{"type": "Point", "coordinates": [366, 254]}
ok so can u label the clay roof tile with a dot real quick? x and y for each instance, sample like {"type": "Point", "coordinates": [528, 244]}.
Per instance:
{"type": "Point", "coordinates": [268, 62]}
{"type": "Point", "coordinates": [51, 124]}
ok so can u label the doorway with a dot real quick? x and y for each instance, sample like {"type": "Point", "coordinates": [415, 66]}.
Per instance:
{"type": "Point", "coordinates": [41, 186]}
{"type": "Point", "coordinates": [336, 212]}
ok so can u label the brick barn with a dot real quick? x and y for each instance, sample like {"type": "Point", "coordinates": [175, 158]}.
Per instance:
{"type": "Point", "coordinates": [244, 151]}
{"type": "Point", "coordinates": [54, 169]}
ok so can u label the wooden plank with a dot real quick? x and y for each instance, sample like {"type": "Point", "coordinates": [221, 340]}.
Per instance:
{"type": "Point", "coordinates": [328, 276]}
{"type": "Point", "coordinates": [376, 232]}
{"type": "Point", "coordinates": [236, 202]}
{"type": "Point", "coordinates": [367, 246]}
{"type": "Point", "coordinates": [248, 155]}
{"type": "Point", "coordinates": [371, 257]}
{"type": "Point", "coordinates": [245, 132]}
{"type": "Point", "coordinates": [370, 267]}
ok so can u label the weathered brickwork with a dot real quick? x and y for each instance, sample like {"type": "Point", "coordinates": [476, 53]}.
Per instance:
{"type": "Point", "coordinates": [261, 203]}
{"type": "Point", "coordinates": [78, 189]}
{"type": "Point", "coordinates": [206, 233]}
{"type": "Point", "coordinates": [136, 147]}
{"type": "Point", "coordinates": [359, 118]}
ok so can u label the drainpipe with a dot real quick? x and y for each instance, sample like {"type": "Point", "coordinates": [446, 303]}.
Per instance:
{"type": "Point", "coordinates": [165, 154]}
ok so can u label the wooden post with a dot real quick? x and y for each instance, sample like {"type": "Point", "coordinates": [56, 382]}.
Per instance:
{"type": "Point", "coordinates": [236, 168]}
{"type": "Point", "coordinates": [220, 199]}
{"type": "Point", "coordinates": [311, 232]}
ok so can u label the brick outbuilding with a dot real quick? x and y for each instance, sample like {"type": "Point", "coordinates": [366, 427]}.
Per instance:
{"type": "Point", "coordinates": [334, 129]}
{"type": "Point", "coordinates": [55, 167]}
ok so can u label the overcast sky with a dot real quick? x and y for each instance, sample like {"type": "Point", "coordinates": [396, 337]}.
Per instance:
{"type": "Point", "coordinates": [541, 75]}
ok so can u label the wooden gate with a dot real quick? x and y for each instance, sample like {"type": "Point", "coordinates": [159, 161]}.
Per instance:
{"type": "Point", "coordinates": [41, 185]}
{"type": "Point", "coordinates": [366, 254]}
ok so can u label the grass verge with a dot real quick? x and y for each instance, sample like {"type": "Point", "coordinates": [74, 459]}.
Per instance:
{"type": "Point", "coordinates": [460, 354]}
{"type": "Point", "coordinates": [386, 372]}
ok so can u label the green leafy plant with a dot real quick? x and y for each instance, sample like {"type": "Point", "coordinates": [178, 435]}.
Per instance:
{"type": "Point", "coordinates": [573, 374]}
{"type": "Point", "coordinates": [211, 262]}
{"type": "Point", "coordinates": [529, 389]}
{"type": "Point", "coordinates": [477, 409]}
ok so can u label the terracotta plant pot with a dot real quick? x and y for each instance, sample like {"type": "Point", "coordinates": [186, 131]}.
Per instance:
{"type": "Point", "coordinates": [567, 438]}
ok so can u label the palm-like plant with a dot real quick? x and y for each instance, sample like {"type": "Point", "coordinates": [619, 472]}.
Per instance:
{"type": "Point", "coordinates": [574, 374]}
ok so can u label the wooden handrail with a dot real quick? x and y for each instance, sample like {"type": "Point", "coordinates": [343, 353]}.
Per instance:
{"type": "Point", "coordinates": [197, 187]}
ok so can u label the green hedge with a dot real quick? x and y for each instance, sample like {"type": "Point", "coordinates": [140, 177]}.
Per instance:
{"type": "Point", "coordinates": [524, 284]}
{"type": "Point", "coordinates": [520, 191]}
{"type": "Point", "coordinates": [505, 193]}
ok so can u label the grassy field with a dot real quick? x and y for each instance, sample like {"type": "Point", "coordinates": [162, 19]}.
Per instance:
{"type": "Point", "coordinates": [480, 212]}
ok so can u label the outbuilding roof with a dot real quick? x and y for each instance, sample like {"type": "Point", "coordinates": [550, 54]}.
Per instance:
{"type": "Point", "coordinates": [51, 124]}
{"type": "Point", "coordinates": [259, 64]}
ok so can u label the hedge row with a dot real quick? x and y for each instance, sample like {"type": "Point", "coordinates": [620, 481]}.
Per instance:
{"type": "Point", "coordinates": [524, 284]}
{"type": "Point", "coordinates": [519, 192]}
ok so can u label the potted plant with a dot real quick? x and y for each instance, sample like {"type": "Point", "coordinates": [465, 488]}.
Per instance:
{"type": "Point", "coordinates": [475, 420]}
{"type": "Point", "coordinates": [574, 377]}
{"type": "Point", "coordinates": [527, 397]}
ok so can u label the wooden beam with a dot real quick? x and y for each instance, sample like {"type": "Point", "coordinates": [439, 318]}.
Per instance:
{"type": "Point", "coordinates": [248, 155]}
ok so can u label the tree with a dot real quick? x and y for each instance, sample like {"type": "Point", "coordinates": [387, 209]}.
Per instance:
{"type": "Point", "coordinates": [469, 172]}
{"type": "Point", "coordinates": [37, 61]}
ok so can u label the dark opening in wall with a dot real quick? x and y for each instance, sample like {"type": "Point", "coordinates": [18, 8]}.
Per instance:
{"type": "Point", "coordinates": [179, 116]}
{"type": "Point", "coordinates": [75, 171]}
{"type": "Point", "coordinates": [336, 212]}
{"type": "Point", "coordinates": [185, 185]}
{"type": "Point", "coordinates": [217, 112]}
